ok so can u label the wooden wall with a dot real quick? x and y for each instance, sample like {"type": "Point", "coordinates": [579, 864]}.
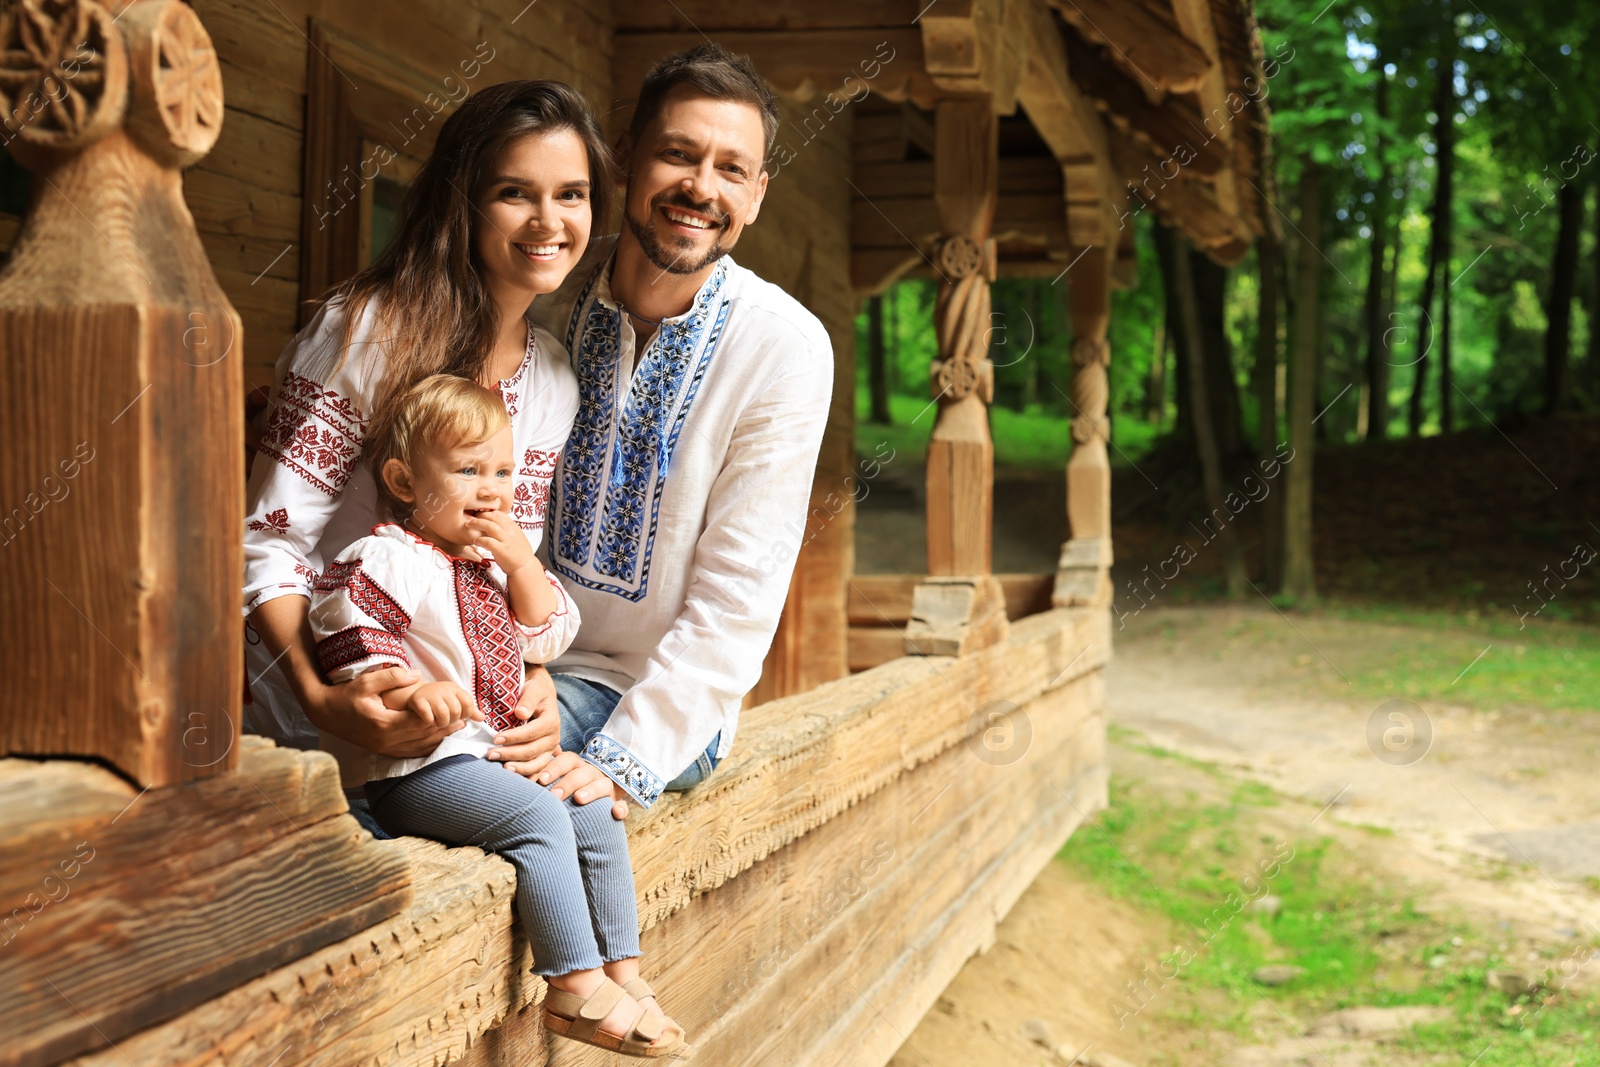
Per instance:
{"type": "Point", "coordinates": [246, 195]}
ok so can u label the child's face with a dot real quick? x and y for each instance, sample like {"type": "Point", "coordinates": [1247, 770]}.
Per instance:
{"type": "Point", "coordinates": [448, 486]}
{"type": "Point", "coordinates": [533, 217]}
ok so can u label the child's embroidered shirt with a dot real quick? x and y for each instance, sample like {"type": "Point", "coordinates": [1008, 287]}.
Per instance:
{"type": "Point", "coordinates": [392, 599]}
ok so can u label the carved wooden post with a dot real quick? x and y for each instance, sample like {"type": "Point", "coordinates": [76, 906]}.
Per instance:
{"type": "Point", "coordinates": [961, 607]}
{"type": "Point", "coordinates": [122, 475]}
{"type": "Point", "coordinates": [1083, 576]}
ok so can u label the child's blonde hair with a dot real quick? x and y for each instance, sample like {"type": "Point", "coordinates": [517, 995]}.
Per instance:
{"type": "Point", "coordinates": [441, 411]}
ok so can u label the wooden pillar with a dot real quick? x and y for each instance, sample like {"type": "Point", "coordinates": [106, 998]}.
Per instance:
{"type": "Point", "coordinates": [121, 392]}
{"type": "Point", "coordinates": [1083, 576]}
{"type": "Point", "coordinates": [961, 607]}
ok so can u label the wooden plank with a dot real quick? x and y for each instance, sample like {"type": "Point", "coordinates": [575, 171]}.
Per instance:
{"type": "Point", "coordinates": [723, 16]}
{"type": "Point", "coordinates": [908, 179]}
{"type": "Point", "coordinates": [1173, 129]}
{"type": "Point", "coordinates": [155, 904]}
{"type": "Point", "coordinates": [1195, 18]}
{"type": "Point", "coordinates": [884, 222]}
{"type": "Point", "coordinates": [262, 39]}
{"type": "Point", "coordinates": [804, 63]}
{"type": "Point", "coordinates": [422, 987]}
{"type": "Point", "coordinates": [885, 599]}
{"type": "Point", "coordinates": [223, 203]}
{"type": "Point", "coordinates": [258, 152]}
{"type": "Point", "coordinates": [873, 646]}
{"type": "Point", "coordinates": [1143, 39]}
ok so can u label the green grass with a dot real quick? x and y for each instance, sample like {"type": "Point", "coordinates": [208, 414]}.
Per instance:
{"type": "Point", "coordinates": [1551, 665]}
{"type": "Point", "coordinates": [1036, 440]}
{"type": "Point", "coordinates": [1360, 939]}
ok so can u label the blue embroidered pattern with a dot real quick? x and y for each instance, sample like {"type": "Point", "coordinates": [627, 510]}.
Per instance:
{"type": "Point", "coordinates": [607, 498]}
{"type": "Point", "coordinates": [624, 767]}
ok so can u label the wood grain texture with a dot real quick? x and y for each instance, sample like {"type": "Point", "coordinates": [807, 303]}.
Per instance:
{"type": "Point", "coordinates": [122, 395]}
{"type": "Point", "coordinates": [820, 778]}
{"type": "Point", "coordinates": [137, 905]}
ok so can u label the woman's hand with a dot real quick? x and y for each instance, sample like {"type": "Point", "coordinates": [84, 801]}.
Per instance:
{"type": "Point", "coordinates": [503, 539]}
{"type": "Point", "coordinates": [569, 774]}
{"type": "Point", "coordinates": [355, 712]}
{"type": "Point", "coordinates": [526, 749]}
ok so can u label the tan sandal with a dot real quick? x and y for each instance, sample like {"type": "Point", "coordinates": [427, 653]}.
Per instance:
{"type": "Point", "coordinates": [639, 989]}
{"type": "Point", "coordinates": [578, 1019]}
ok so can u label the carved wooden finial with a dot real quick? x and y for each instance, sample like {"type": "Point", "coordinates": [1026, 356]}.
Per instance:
{"type": "Point", "coordinates": [63, 73]}
{"type": "Point", "coordinates": [177, 82]}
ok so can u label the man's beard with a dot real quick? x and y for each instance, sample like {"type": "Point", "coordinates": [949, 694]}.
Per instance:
{"type": "Point", "coordinates": [673, 262]}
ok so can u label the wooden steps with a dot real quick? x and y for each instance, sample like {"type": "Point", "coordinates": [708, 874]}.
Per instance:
{"type": "Point", "coordinates": [859, 833]}
{"type": "Point", "coordinates": [138, 905]}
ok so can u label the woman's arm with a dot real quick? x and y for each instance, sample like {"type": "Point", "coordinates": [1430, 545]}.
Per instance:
{"type": "Point", "coordinates": [354, 710]}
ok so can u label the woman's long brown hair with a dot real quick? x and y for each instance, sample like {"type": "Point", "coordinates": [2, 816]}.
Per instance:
{"type": "Point", "coordinates": [435, 315]}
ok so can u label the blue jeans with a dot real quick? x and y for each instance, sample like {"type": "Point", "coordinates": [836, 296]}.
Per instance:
{"type": "Point", "coordinates": [585, 707]}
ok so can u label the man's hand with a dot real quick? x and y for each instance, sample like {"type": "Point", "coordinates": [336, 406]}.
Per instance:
{"type": "Point", "coordinates": [355, 712]}
{"type": "Point", "coordinates": [569, 774]}
{"type": "Point", "coordinates": [526, 749]}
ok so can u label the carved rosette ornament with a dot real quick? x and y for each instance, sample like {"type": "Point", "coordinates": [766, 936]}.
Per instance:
{"type": "Point", "coordinates": [1090, 390]}
{"type": "Point", "coordinates": [177, 82]}
{"type": "Point", "coordinates": [962, 322]}
{"type": "Point", "coordinates": [63, 73]}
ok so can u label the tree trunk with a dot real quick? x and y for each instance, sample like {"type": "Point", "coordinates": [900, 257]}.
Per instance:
{"type": "Point", "coordinates": [1265, 382]}
{"type": "Point", "coordinates": [1156, 388]}
{"type": "Point", "coordinates": [1299, 578]}
{"type": "Point", "coordinates": [877, 382]}
{"type": "Point", "coordinates": [1200, 408]}
{"type": "Point", "coordinates": [1211, 299]}
{"type": "Point", "coordinates": [1563, 287]}
{"type": "Point", "coordinates": [1439, 238]}
{"type": "Point", "coordinates": [1376, 393]}
{"type": "Point", "coordinates": [1593, 369]}
{"type": "Point", "coordinates": [1445, 136]}
{"type": "Point", "coordinates": [1177, 328]}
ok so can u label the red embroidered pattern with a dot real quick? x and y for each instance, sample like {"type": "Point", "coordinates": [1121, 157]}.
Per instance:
{"type": "Point", "coordinates": [356, 643]}
{"type": "Point", "coordinates": [314, 432]}
{"type": "Point", "coordinates": [276, 522]}
{"type": "Point", "coordinates": [370, 598]}
{"type": "Point", "coordinates": [532, 494]}
{"type": "Point", "coordinates": [491, 636]}
{"type": "Point", "coordinates": [302, 571]}
{"type": "Point", "coordinates": [510, 389]}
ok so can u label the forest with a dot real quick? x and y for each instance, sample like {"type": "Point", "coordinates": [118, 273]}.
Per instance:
{"type": "Point", "coordinates": [1432, 182]}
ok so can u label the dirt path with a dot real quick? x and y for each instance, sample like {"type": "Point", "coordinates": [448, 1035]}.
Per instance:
{"type": "Point", "coordinates": [1496, 825]}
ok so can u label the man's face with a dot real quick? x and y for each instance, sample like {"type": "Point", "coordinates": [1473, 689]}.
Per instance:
{"type": "Point", "coordinates": [695, 180]}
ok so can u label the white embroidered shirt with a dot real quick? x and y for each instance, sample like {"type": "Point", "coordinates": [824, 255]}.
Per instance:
{"type": "Point", "coordinates": [680, 503]}
{"type": "Point", "coordinates": [393, 600]}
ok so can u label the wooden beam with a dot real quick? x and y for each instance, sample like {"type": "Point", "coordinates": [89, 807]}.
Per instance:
{"type": "Point", "coordinates": [121, 395]}
{"type": "Point", "coordinates": [1083, 573]}
{"type": "Point", "coordinates": [1067, 121]}
{"type": "Point", "coordinates": [885, 599]}
{"type": "Point", "coordinates": [976, 47]}
{"type": "Point", "coordinates": [1173, 130]}
{"type": "Point", "coordinates": [1019, 176]}
{"type": "Point", "coordinates": [1143, 39]}
{"type": "Point", "coordinates": [134, 906]}
{"type": "Point", "coordinates": [730, 16]}
{"type": "Point", "coordinates": [902, 223]}
{"type": "Point", "coordinates": [828, 772]}
{"type": "Point", "coordinates": [1195, 18]}
{"type": "Point", "coordinates": [801, 64]}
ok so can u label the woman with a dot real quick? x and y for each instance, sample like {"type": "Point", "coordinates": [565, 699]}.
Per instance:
{"type": "Point", "coordinates": [500, 213]}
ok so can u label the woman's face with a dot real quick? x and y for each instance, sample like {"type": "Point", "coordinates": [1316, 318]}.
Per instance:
{"type": "Point", "coordinates": [533, 218]}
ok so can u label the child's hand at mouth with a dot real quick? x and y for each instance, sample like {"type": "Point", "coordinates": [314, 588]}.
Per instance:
{"type": "Point", "coordinates": [494, 532]}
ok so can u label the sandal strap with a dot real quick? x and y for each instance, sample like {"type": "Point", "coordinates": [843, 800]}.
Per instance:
{"type": "Point", "coordinates": [638, 989]}
{"type": "Point", "coordinates": [586, 1023]}
{"type": "Point", "coordinates": [647, 1028]}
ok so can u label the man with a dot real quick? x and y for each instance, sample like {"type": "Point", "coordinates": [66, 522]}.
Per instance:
{"type": "Point", "coordinates": [675, 512]}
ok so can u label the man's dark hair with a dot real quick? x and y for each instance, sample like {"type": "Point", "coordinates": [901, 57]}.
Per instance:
{"type": "Point", "coordinates": [714, 71]}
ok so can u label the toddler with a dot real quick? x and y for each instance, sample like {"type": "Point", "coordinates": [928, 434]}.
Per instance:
{"type": "Point", "coordinates": [453, 590]}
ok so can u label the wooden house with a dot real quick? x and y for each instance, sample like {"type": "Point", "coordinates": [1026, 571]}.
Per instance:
{"type": "Point", "coordinates": [919, 746]}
